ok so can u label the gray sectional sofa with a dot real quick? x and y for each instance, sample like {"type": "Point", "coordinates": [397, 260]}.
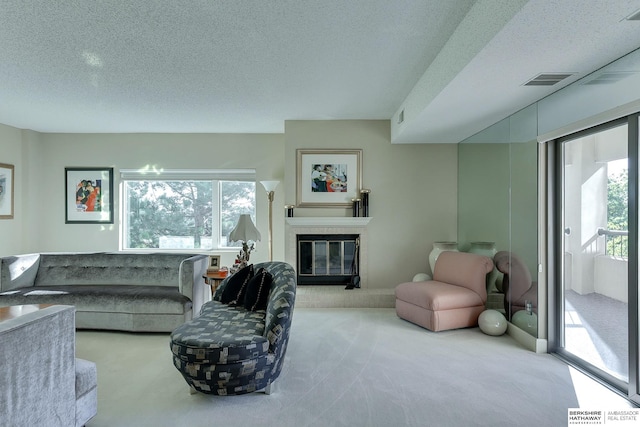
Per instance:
{"type": "Point", "coordinates": [137, 292]}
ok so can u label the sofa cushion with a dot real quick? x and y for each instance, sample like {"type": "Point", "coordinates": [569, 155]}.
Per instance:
{"type": "Point", "coordinates": [104, 298]}
{"type": "Point", "coordinates": [221, 334]}
{"type": "Point", "coordinates": [236, 285]}
{"type": "Point", "coordinates": [86, 376]}
{"type": "Point", "coordinates": [258, 288]}
{"type": "Point", "coordinates": [86, 391]}
{"type": "Point", "coordinates": [464, 269]}
{"type": "Point", "coordinates": [152, 269]}
{"type": "Point", "coordinates": [436, 296]}
{"type": "Point", "coordinates": [18, 271]}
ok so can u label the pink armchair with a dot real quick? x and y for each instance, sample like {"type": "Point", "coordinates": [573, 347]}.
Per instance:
{"type": "Point", "coordinates": [453, 299]}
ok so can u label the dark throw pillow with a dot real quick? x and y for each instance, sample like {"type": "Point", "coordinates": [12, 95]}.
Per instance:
{"type": "Point", "coordinates": [236, 287]}
{"type": "Point", "coordinates": [258, 290]}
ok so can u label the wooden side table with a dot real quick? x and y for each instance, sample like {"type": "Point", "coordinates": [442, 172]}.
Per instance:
{"type": "Point", "coordinates": [214, 278]}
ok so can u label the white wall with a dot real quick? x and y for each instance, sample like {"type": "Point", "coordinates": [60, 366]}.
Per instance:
{"type": "Point", "coordinates": [611, 277]}
{"type": "Point", "coordinates": [585, 209]}
{"type": "Point", "coordinates": [10, 236]}
{"type": "Point", "coordinates": [14, 150]}
{"type": "Point", "coordinates": [264, 152]}
{"type": "Point", "coordinates": [413, 199]}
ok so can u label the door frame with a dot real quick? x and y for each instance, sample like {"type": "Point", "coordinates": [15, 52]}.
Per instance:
{"type": "Point", "coordinates": [555, 257]}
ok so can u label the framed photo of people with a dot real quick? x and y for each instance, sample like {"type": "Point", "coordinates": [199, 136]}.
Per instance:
{"type": "Point", "coordinates": [328, 178]}
{"type": "Point", "coordinates": [214, 263]}
{"type": "Point", "coordinates": [89, 195]}
{"type": "Point", "coordinates": [6, 191]}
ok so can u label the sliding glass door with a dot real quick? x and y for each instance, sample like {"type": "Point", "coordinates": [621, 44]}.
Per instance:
{"type": "Point", "coordinates": [596, 253]}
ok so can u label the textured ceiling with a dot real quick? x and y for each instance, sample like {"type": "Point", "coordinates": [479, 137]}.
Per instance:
{"type": "Point", "coordinates": [247, 66]}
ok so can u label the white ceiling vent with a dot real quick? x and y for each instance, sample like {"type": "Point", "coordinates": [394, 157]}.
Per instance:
{"type": "Point", "coordinates": [548, 79]}
{"type": "Point", "coordinates": [608, 78]}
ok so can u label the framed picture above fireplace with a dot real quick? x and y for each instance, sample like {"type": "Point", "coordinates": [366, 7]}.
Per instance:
{"type": "Point", "coordinates": [328, 178]}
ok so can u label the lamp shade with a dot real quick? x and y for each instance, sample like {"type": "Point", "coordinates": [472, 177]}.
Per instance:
{"type": "Point", "coordinates": [270, 185]}
{"type": "Point", "coordinates": [244, 230]}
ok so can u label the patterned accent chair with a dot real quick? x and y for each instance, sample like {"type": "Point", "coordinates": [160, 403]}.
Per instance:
{"type": "Point", "coordinates": [229, 350]}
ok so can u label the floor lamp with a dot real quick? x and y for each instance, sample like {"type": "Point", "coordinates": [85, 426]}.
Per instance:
{"type": "Point", "coordinates": [270, 186]}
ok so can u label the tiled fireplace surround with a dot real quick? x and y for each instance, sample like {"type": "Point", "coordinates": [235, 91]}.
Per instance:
{"type": "Point", "coordinates": [335, 296]}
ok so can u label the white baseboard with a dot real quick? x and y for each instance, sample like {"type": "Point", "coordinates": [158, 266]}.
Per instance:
{"type": "Point", "coordinates": [530, 342]}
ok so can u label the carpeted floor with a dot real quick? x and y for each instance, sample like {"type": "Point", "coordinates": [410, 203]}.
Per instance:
{"type": "Point", "coordinates": [350, 367]}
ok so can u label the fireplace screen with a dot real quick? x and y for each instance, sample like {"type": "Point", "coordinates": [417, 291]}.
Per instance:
{"type": "Point", "coordinates": [326, 259]}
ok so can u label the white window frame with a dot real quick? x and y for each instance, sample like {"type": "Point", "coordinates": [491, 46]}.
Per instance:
{"type": "Point", "coordinates": [154, 174]}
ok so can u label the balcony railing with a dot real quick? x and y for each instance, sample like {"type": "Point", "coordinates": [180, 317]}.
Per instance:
{"type": "Point", "coordinates": [616, 242]}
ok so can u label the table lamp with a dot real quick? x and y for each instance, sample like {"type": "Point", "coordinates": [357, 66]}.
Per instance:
{"type": "Point", "coordinates": [245, 231]}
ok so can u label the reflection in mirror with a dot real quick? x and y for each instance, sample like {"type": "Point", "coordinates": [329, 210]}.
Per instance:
{"type": "Point", "coordinates": [494, 203]}
{"type": "Point", "coordinates": [497, 203]}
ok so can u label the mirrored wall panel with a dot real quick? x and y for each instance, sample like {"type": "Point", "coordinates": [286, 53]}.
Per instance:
{"type": "Point", "coordinates": [498, 213]}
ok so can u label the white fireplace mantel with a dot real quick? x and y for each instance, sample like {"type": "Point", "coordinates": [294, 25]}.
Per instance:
{"type": "Point", "coordinates": [328, 221]}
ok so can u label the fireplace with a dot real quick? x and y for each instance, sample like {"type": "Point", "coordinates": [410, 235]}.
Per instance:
{"type": "Point", "coordinates": [327, 259]}
{"type": "Point", "coordinates": [328, 226]}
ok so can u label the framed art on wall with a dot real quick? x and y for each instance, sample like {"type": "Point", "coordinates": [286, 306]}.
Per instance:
{"type": "Point", "coordinates": [328, 178]}
{"type": "Point", "coordinates": [89, 195]}
{"type": "Point", "coordinates": [6, 191]}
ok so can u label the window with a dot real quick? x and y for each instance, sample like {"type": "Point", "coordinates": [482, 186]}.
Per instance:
{"type": "Point", "coordinates": [178, 210]}
{"type": "Point", "coordinates": [617, 232]}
